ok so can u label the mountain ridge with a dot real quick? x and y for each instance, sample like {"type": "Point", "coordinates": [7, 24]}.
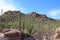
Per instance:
{"type": "Point", "coordinates": [33, 14]}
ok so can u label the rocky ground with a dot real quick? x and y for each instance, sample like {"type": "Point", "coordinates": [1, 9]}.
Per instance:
{"type": "Point", "coordinates": [16, 38]}
{"type": "Point", "coordinates": [3, 36]}
{"type": "Point", "coordinates": [10, 34]}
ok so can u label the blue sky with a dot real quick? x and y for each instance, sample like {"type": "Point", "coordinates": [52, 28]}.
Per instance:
{"type": "Point", "coordinates": [49, 7]}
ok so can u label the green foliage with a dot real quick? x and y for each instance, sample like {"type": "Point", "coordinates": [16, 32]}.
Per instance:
{"type": "Point", "coordinates": [29, 26]}
{"type": "Point", "coordinates": [15, 25]}
{"type": "Point", "coordinates": [2, 25]}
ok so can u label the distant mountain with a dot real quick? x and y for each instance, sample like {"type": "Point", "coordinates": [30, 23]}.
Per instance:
{"type": "Point", "coordinates": [16, 14]}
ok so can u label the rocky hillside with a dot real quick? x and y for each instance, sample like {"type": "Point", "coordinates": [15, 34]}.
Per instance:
{"type": "Point", "coordinates": [32, 23]}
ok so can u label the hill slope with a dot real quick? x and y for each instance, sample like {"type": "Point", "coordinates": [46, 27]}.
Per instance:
{"type": "Point", "coordinates": [30, 23]}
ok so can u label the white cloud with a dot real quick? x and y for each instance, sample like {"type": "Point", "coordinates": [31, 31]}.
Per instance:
{"type": "Point", "coordinates": [54, 13]}
{"type": "Point", "coordinates": [8, 5]}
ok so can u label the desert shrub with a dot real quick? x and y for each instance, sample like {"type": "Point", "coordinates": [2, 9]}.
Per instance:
{"type": "Point", "coordinates": [29, 26]}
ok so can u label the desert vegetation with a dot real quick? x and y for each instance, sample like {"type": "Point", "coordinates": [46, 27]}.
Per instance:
{"type": "Point", "coordinates": [37, 25]}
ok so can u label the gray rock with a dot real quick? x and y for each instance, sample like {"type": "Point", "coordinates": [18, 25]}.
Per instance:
{"type": "Point", "coordinates": [4, 38]}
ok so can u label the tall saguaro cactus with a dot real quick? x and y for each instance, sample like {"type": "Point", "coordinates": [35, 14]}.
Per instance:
{"type": "Point", "coordinates": [20, 21]}
{"type": "Point", "coordinates": [1, 11]}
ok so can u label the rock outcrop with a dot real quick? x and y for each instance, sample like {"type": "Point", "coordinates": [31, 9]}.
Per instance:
{"type": "Point", "coordinates": [14, 34]}
{"type": "Point", "coordinates": [34, 14]}
{"type": "Point", "coordinates": [57, 34]}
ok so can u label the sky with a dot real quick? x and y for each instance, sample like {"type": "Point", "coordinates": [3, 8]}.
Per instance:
{"type": "Point", "coordinates": [51, 8]}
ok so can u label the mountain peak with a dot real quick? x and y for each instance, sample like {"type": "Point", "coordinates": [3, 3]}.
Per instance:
{"type": "Point", "coordinates": [35, 14]}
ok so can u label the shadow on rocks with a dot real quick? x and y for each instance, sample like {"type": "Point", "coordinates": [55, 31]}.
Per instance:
{"type": "Point", "coordinates": [28, 37]}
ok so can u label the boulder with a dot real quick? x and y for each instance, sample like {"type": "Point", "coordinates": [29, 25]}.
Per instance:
{"type": "Point", "coordinates": [1, 34]}
{"type": "Point", "coordinates": [57, 33]}
{"type": "Point", "coordinates": [6, 30]}
{"type": "Point", "coordinates": [13, 33]}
